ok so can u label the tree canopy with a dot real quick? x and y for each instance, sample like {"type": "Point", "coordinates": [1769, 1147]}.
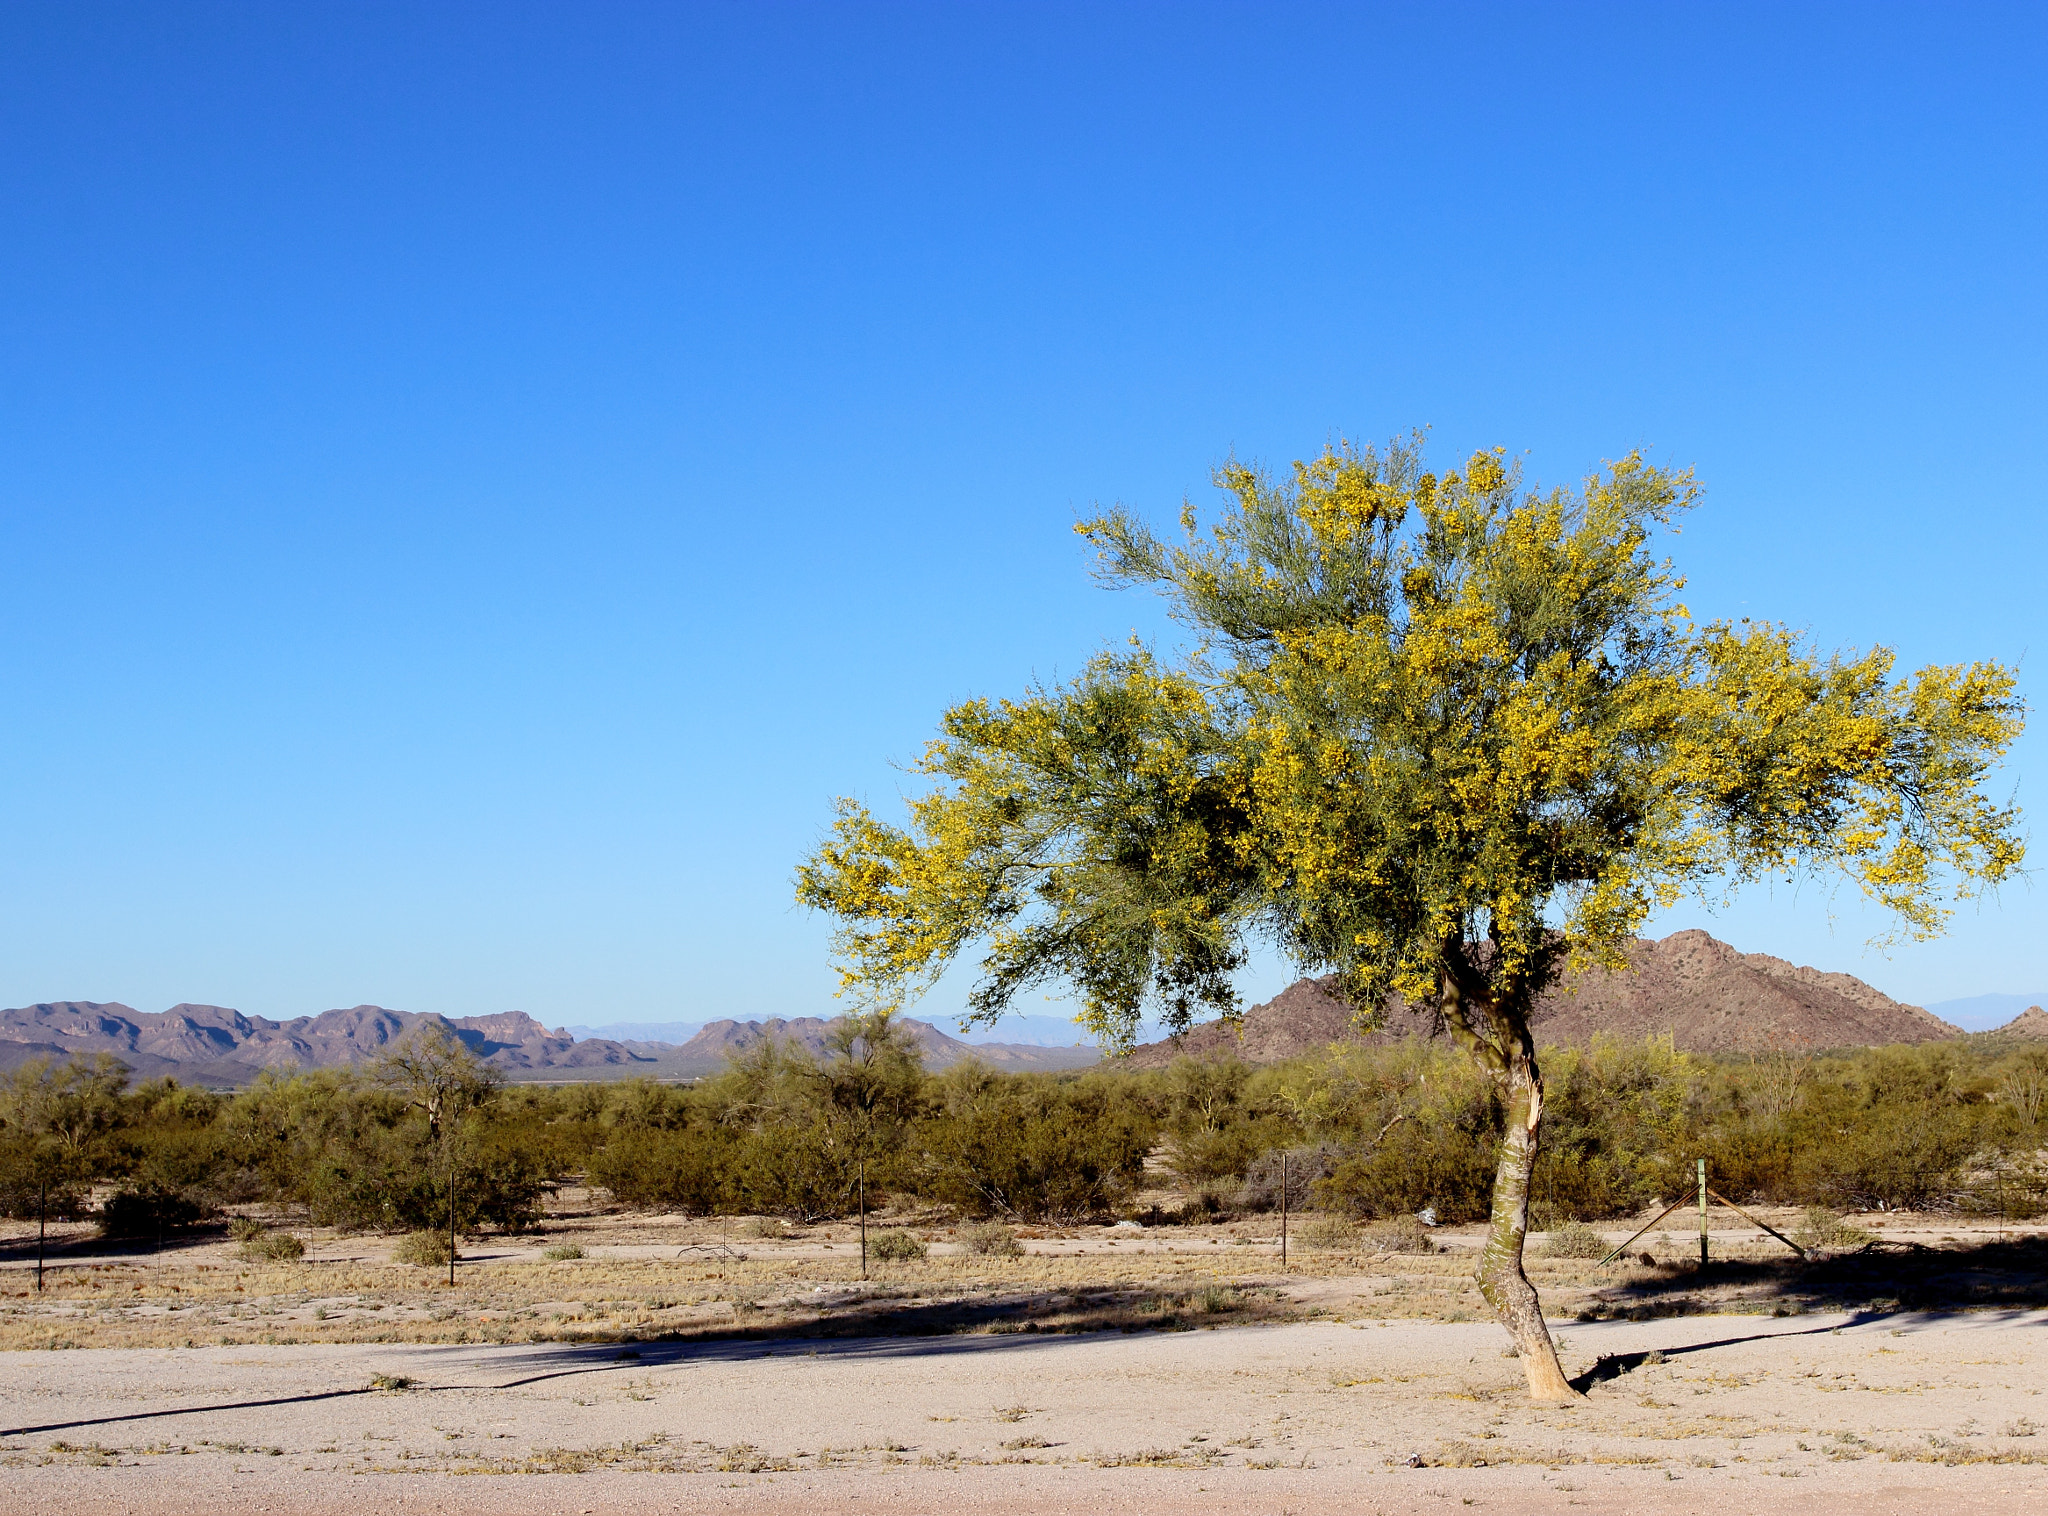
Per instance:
{"type": "Point", "coordinates": [1435, 734]}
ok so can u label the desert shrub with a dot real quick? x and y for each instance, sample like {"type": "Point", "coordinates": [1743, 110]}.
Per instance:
{"type": "Point", "coordinates": [1199, 1209]}
{"type": "Point", "coordinates": [894, 1245]}
{"type": "Point", "coordinates": [1398, 1234]}
{"type": "Point", "coordinates": [273, 1247]}
{"type": "Point", "coordinates": [684, 1169]}
{"type": "Point", "coordinates": [562, 1252]}
{"type": "Point", "coordinates": [1449, 1167]}
{"type": "Point", "coordinates": [1030, 1145]}
{"type": "Point", "coordinates": [424, 1249]}
{"type": "Point", "coordinates": [1328, 1233]}
{"type": "Point", "coordinates": [765, 1228]}
{"type": "Point", "coordinates": [1821, 1230]}
{"type": "Point", "coordinates": [799, 1170]}
{"type": "Point", "coordinates": [23, 1199]}
{"type": "Point", "coordinates": [991, 1240]}
{"type": "Point", "coordinates": [1575, 1240]}
{"type": "Point", "coordinates": [1305, 1165]}
{"type": "Point", "coordinates": [150, 1212]}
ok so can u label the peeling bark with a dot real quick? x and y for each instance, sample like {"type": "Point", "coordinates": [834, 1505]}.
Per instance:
{"type": "Point", "coordinates": [1501, 1043]}
{"type": "Point", "coordinates": [1501, 1280]}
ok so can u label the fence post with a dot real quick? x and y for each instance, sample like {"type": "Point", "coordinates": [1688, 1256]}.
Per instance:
{"type": "Point", "coordinates": [1283, 1208]}
{"type": "Point", "coordinates": [1703, 1213]}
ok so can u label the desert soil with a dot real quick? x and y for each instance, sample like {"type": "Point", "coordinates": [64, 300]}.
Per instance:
{"type": "Point", "coordinates": [1919, 1412]}
{"type": "Point", "coordinates": [1176, 1369]}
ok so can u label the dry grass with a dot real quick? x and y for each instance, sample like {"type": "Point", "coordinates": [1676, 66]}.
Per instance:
{"type": "Point", "coordinates": [642, 1277]}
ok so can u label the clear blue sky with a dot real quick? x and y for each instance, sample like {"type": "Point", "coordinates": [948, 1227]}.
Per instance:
{"type": "Point", "coordinates": [477, 481]}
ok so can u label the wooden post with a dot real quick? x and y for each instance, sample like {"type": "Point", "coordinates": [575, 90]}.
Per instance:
{"type": "Point", "coordinates": [863, 1215]}
{"type": "Point", "coordinates": [451, 1218]}
{"type": "Point", "coordinates": [42, 1226]}
{"type": "Point", "coordinates": [1703, 1213]}
{"type": "Point", "coordinates": [1283, 1208]}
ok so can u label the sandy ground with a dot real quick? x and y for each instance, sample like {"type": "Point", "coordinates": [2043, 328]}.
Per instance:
{"type": "Point", "coordinates": [1889, 1412]}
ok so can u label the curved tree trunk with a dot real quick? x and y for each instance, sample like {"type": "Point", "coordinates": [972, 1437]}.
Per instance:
{"type": "Point", "coordinates": [1501, 1280]}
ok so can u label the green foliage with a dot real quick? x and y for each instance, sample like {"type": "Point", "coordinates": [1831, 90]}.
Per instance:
{"type": "Point", "coordinates": [562, 1252]}
{"type": "Point", "coordinates": [1030, 1145]}
{"type": "Point", "coordinates": [894, 1245]}
{"type": "Point", "coordinates": [683, 1170]}
{"type": "Point", "coordinates": [149, 1212]}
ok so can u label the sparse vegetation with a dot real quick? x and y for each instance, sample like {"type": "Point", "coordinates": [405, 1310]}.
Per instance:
{"type": "Point", "coordinates": [1575, 1240]}
{"type": "Point", "coordinates": [1372, 1134]}
{"type": "Point", "coordinates": [991, 1240]}
{"type": "Point", "coordinates": [895, 1245]}
{"type": "Point", "coordinates": [562, 1252]}
{"type": "Point", "coordinates": [1821, 1230]}
{"type": "Point", "coordinates": [1399, 1234]}
{"type": "Point", "coordinates": [1327, 1233]}
{"type": "Point", "coordinates": [274, 1247]}
{"type": "Point", "coordinates": [423, 1249]}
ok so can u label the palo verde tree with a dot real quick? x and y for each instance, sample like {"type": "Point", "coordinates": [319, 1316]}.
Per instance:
{"type": "Point", "coordinates": [1438, 735]}
{"type": "Point", "coordinates": [439, 1076]}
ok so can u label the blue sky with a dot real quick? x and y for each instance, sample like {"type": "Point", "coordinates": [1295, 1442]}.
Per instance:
{"type": "Point", "coordinates": [475, 482]}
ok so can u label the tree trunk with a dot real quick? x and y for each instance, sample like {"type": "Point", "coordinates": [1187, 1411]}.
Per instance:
{"type": "Point", "coordinates": [1501, 1280]}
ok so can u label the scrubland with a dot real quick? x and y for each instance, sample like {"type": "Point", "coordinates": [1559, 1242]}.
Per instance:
{"type": "Point", "coordinates": [1120, 1330]}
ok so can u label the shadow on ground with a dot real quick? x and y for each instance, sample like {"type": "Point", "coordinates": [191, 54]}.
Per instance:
{"type": "Point", "coordinates": [1884, 1276]}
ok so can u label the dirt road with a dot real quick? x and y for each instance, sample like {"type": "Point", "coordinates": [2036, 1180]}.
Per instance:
{"type": "Point", "coordinates": [1899, 1412]}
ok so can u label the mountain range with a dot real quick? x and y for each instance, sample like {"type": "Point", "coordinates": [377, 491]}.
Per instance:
{"type": "Point", "coordinates": [211, 1044]}
{"type": "Point", "coordinates": [1704, 994]}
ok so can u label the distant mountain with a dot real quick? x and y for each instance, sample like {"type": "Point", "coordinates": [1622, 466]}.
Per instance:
{"type": "Point", "coordinates": [1012, 1030]}
{"type": "Point", "coordinates": [214, 1045]}
{"type": "Point", "coordinates": [210, 1044]}
{"type": "Point", "coordinates": [708, 1051]}
{"type": "Point", "coordinates": [1706, 995]}
{"type": "Point", "coordinates": [672, 1033]}
{"type": "Point", "coordinates": [1983, 1013]}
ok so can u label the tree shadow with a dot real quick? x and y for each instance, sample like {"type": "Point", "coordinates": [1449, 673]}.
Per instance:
{"type": "Point", "coordinates": [1883, 1276]}
{"type": "Point", "coordinates": [72, 1248]}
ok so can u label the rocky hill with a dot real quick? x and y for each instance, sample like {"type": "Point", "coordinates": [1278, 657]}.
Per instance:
{"type": "Point", "coordinates": [210, 1044]}
{"type": "Point", "coordinates": [1697, 989]}
{"type": "Point", "coordinates": [2032, 1024]}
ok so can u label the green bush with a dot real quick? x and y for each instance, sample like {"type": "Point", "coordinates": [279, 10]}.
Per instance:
{"type": "Point", "coordinates": [894, 1245]}
{"type": "Point", "coordinates": [1031, 1145]}
{"type": "Point", "coordinates": [687, 1170]}
{"type": "Point", "coordinates": [145, 1213]}
{"type": "Point", "coordinates": [561, 1252]}
{"type": "Point", "coordinates": [424, 1249]}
